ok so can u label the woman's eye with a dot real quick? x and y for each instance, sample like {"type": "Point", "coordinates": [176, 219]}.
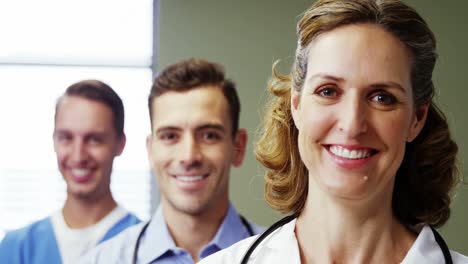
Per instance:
{"type": "Point", "coordinates": [384, 99]}
{"type": "Point", "coordinates": [327, 92]}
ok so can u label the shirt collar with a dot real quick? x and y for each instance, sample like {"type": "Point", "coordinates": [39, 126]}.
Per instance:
{"type": "Point", "coordinates": [281, 245]}
{"type": "Point", "coordinates": [425, 249]}
{"type": "Point", "coordinates": [285, 235]}
{"type": "Point", "coordinates": [232, 230]}
{"type": "Point", "coordinates": [157, 240]}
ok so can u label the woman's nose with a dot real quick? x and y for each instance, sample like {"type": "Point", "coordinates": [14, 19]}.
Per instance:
{"type": "Point", "coordinates": [352, 117]}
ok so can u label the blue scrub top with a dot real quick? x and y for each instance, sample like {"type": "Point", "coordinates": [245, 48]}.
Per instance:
{"type": "Point", "coordinates": [36, 243]}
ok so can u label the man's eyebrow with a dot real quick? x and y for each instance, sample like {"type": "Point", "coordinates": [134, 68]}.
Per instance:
{"type": "Point", "coordinates": [166, 128]}
{"type": "Point", "coordinates": [201, 127]}
{"type": "Point", "coordinates": [212, 126]}
{"type": "Point", "coordinates": [97, 133]}
{"type": "Point", "coordinates": [61, 132]}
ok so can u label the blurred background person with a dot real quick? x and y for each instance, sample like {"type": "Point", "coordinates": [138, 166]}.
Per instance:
{"type": "Point", "coordinates": [88, 136]}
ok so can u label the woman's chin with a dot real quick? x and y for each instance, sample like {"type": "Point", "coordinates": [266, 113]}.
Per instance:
{"type": "Point", "coordinates": [348, 189]}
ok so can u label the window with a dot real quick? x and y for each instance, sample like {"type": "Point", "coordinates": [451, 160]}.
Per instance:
{"type": "Point", "coordinates": [46, 46]}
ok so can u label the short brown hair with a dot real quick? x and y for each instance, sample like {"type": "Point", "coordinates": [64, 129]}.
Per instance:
{"type": "Point", "coordinates": [100, 92]}
{"type": "Point", "coordinates": [429, 169]}
{"type": "Point", "coordinates": [191, 74]}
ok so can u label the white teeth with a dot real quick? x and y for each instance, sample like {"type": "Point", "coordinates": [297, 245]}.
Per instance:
{"type": "Point", "coordinates": [80, 172]}
{"type": "Point", "coordinates": [189, 178]}
{"type": "Point", "coordinates": [349, 154]}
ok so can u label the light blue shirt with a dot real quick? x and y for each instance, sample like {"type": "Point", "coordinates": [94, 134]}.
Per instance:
{"type": "Point", "coordinates": [158, 246]}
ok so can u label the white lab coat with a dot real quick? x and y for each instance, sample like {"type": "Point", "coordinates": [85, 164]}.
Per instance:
{"type": "Point", "coordinates": [281, 247]}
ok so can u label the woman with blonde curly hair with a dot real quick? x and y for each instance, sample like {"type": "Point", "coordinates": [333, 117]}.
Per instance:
{"type": "Point", "coordinates": [357, 152]}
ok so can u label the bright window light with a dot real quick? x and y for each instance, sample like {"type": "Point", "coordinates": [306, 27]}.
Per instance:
{"type": "Point", "coordinates": [46, 46]}
{"type": "Point", "coordinates": [84, 32]}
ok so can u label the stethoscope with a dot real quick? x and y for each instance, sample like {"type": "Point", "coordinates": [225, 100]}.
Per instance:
{"type": "Point", "coordinates": [443, 246]}
{"type": "Point", "coordinates": [142, 231]}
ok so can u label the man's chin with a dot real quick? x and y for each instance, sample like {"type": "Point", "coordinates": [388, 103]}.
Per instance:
{"type": "Point", "coordinates": [192, 209]}
{"type": "Point", "coordinates": [83, 195]}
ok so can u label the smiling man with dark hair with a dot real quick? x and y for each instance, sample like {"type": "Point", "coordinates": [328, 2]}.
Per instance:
{"type": "Point", "coordinates": [194, 141]}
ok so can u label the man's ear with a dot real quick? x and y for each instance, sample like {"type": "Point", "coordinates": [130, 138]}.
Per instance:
{"type": "Point", "coordinates": [55, 142]}
{"type": "Point", "coordinates": [419, 120]}
{"type": "Point", "coordinates": [121, 144]}
{"type": "Point", "coordinates": [240, 143]}
{"type": "Point", "coordinates": [295, 106]}
{"type": "Point", "coordinates": [149, 140]}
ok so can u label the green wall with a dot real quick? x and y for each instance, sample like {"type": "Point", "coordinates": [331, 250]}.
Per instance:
{"type": "Point", "coordinates": [449, 22]}
{"type": "Point", "coordinates": [248, 36]}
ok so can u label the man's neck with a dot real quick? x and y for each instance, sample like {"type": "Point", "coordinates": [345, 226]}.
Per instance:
{"type": "Point", "coordinates": [80, 213]}
{"type": "Point", "coordinates": [193, 232]}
